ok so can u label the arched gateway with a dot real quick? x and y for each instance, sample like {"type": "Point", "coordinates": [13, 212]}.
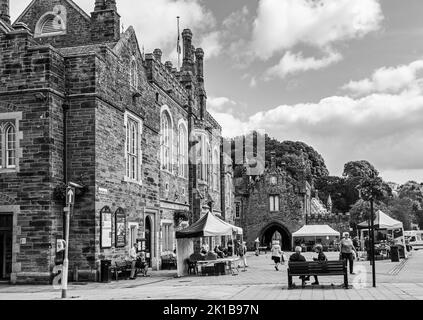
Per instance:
{"type": "Point", "coordinates": [276, 231]}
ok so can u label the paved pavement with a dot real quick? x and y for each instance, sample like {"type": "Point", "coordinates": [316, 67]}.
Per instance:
{"type": "Point", "coordinates": [395, 281]}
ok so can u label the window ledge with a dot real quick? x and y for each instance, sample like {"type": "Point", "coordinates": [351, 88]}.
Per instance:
{"type": "Point", "coordinates": [8, 170]}
{"type": "Point", "coordinates": [167, 171]}
{"type": "Point", "coordinates": [127, 180]}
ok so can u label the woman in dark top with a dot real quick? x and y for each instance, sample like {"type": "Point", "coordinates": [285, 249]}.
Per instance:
{"type": "Point", "coordinates": [321, 257]}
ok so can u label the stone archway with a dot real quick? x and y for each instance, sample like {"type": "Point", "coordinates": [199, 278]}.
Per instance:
{"type": "Point", "coordinates": [276, 231]}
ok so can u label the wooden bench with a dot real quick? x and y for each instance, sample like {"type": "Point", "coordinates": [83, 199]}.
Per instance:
{"type": "Point", "coordinates": [318, 268]}
{"type": "Point", "coordinates": [122, 268]}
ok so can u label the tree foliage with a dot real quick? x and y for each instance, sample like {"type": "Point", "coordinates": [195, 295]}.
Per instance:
{"type": "Point", "coordinates": [300, 160]}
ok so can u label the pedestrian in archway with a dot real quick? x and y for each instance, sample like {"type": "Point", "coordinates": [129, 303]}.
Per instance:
{"type": "Point", "coordinates": [277, 254]}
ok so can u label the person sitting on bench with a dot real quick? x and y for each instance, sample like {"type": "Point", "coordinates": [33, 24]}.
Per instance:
{"type": "Point", "coordinates": [298, 257]}
{"type": "Point", "coordinates": [321, 257]}
{"type": "Point", "coordinates": [142, 264]}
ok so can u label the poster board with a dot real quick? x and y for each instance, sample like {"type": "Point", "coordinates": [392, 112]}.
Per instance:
{"type": "Point", "coordinates": [120, 225]}
{"type": "Point", "coordinates": [106, 228]}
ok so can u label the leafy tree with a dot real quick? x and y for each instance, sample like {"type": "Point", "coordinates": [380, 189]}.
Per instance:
{"type": "Point", "coordinates": [336, 188]}
{"type": "Point", "coordinates": [402, 209]}
{"type": "Point", "coordinates": [412, 190]}
{"type": "Point", "coordinates": [300, 160]}
{"type": "Point", "coordinates": [359, 169]}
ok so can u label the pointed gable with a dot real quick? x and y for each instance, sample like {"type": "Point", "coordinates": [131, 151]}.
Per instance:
{"type": "Point", "coordinates": [60, 23]}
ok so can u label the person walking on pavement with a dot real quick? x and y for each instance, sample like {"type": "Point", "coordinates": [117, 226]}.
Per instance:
{"type": "Point", "coordinates": [347, 250]}
{"type": "Point", "coordinates": [277, 254]}
{"type": "Point", "coordinates": [133, 258]}
{"type": "Point", "coordinates": [242, 252]}
{"type": "Point", "coordinates": [322, 258]}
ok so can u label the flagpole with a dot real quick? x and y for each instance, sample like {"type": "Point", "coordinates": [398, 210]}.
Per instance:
{"type": "Point", "coordinates": [178, 49]}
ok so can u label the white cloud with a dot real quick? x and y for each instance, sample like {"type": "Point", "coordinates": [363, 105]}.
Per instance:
{"type": "Point", "coordinates": [253, 82]}
{"type": "Point", "coordinates": [294, 63]}
{"type": "Point", "coordinates": [236, 19]}
{"type": "Point", "coordinates": [218, 103]}
{"type": "Point", "coordinates": [389, 80]}
{"type": "Point", "coordinates": [283, 24]}
{"type": "Point", "coordinates": [212, 44]}
{"type": "Point", "coordinates": [384, 128]}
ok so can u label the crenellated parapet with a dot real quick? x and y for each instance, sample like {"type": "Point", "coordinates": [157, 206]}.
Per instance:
{"type": "Point", "coordinates": [165, 77]}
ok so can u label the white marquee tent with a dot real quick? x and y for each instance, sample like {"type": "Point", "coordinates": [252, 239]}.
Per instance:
{"type": "Point", "coordinates": [314, 232]}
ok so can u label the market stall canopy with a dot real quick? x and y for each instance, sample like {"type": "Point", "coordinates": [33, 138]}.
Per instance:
{"type": "Point", "coordinates": [208, 226]}
{"type": "Point", "coordinates": [382, 221]}
{"type": "Point", "coordinates": [316, 231]}
{"type": "Point", "coordinates": [235, 229]}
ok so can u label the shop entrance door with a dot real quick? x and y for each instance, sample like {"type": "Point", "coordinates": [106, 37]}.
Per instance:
{"type": "Point", "coordinates": [148, 234]}
{"type": "Point", "coordinates": [6, 232]}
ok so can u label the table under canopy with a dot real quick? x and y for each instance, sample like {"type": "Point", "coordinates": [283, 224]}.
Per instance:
{"type": "Point", "coordinates": [207, 226]}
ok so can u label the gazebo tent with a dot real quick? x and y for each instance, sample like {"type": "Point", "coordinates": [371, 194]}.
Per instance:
{"type": "Point", "coordinates": [384, 222]}
{"type": "Point", "coordinates": [208, 226]}
{"type": "Point", "coordinates": [314, 231]}
{"type": "Point", "coordinates": [235, 229]}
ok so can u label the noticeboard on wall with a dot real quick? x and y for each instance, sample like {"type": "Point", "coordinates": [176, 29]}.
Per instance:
{"type": "Point", "coordinates": [120, 225]}
{"type": "Point", "coordinates": [106, 228]}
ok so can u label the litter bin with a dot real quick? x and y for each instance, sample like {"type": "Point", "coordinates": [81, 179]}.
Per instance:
{"type": "Point", "coordinates": [106, 271]}
{"type": "Point", "coordinates": [401, 252]}
{"type": "Point", "coordinates": [395, 254]}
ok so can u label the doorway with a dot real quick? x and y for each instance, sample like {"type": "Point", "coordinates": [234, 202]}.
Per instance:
{"type": "Point", "coordinates": [6, 238]}
{"type": "Point", "coordinates": [276, 232]}
{"type": "Point", "coordinates": [148, 241]}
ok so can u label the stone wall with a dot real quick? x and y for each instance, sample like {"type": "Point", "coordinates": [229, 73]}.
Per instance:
{"type": "Point", "coordinates": [77, 26]}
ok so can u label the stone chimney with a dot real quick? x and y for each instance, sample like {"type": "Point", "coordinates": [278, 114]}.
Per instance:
{"type": "Point", "coordinates": [4, 11]}
{"type": "Point", "coordinates": [188, 61]}
{"type": "Point", "coordinates": [105, 22]}
{"type": "Point", "coordinates": [169, 66]}
{"type": "Point", "coordinates": [157, 53]}
{"type": "Point", "coordinates": [199, 62]}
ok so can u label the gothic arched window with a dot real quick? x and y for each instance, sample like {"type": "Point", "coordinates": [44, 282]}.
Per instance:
{"type": "Point", "coordinates": [10, 144]}
{"type": "Point", "coordinates": [183, 151]}
{"type": "Point", "coordinates": [134, 73]}
{"type": "Point", "coordinates": [166, 141]}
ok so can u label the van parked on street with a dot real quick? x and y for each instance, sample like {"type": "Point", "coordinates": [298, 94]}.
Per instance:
{"type": "Point", "coordinates": [415, 239]}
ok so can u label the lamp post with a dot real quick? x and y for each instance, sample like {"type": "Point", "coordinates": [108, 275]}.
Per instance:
{"type": "Point", "coordinates": [70, 201]}
{"type": "Point", "coordinates": [370, 188]}
{"type": "Point", "coordinates": [372, 224]}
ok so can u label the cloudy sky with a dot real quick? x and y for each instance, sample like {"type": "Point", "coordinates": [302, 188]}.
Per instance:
{"type": "Point", "coordinates": [344, 76]}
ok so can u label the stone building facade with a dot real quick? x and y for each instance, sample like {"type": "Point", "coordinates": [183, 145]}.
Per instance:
{"type": "Point", "coordinates": [80, 102]}
{"type": "Point", "coordinates": [275, 205]}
